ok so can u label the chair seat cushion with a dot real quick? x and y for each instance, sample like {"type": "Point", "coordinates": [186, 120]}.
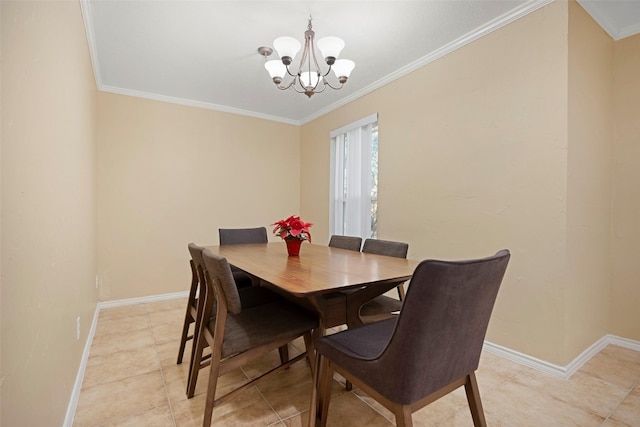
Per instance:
{"type": "Point", "coordinates": [379, 305]}
{"type": "Point", "coordinates": [365, 342]}
{"type": "Point", "coordinates": [265, 323]}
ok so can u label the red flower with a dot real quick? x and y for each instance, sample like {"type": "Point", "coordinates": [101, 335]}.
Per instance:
{"type": "Point", "coordinates": [292, 228]}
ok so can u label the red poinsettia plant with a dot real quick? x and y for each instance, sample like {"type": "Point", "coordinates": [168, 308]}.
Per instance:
{"type": "Point", "coordinates": [292, 228]}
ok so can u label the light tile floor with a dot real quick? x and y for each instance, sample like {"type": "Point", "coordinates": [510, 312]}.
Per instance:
{"type": "Point", "coordinates": [132, 380]}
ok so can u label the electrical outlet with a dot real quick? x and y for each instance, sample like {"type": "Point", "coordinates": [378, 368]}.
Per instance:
{"type": "Point", "coordinates": [78, 328]}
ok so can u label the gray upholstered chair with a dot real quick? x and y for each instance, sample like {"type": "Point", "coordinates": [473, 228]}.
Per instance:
{"type": "Point", "coordinates": [430, 349]}
{"type": "Point", "coordinates": [382, 306]}
{"type": "Point", "coordinates": [249, 297]}
{"type": "Point", "coordinates": [241, 236]}
{"type": "Point", "coordinates": [351, 243]}
{"type": "Point", "coordinates": [338, 300]}
{"type": "Point", "coordinates": [238, 335]}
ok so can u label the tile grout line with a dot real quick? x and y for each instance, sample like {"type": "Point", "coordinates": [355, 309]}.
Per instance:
{"type": "Point", "coordinates": [633, 386]}
{"type": "Point", "coordinates": [164, 381]}
{"type": "Point", "coordinates": [280, 420]}
{"type": "Point", "coordinates": [369, 405]}
{"type": "Point", "coordinates": [110, 422]}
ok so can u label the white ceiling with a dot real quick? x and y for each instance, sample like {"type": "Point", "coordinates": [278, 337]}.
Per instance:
{"type": "Point", "coordinates": [204, 53]}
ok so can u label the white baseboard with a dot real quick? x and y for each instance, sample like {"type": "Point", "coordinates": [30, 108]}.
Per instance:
{"type": "Point", "coordinates": [77, 386]}
{"type": "Point", "coordinates": [564, 372]}
{"type": "Point", "coordinates": [141, 300]}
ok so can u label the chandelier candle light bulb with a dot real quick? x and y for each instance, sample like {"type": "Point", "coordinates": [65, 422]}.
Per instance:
{"type": "Point", "coordinates": [309, 78]}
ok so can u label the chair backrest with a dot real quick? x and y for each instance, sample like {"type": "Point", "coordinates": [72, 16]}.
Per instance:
{"type": "Point", "coordinates": [198, 263]}
{"type": "Point", "coordinates": [346, 242]}
{"type": "Point", "coordinates": [385, 247]}
{"type": "Point", "coordinates": [196, 255]}
{"type": "Point", "coordinates": [440, 332]}
{"type": "Point", "coordinates": [237, 236]}
{"type": "Point", "coordinates": [219, 272]}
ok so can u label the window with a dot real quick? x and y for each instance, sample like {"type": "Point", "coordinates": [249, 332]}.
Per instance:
{"type": "Point", "coordinates": [354, 179]}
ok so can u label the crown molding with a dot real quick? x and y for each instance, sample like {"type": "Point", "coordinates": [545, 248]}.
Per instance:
{"type": "Point", "coordinates": [197, 104]}
{"type": "Point", "coordinates": [85, 8]}
{"type": "Point", "coordinates": [628, 31]}
{"type": "Point", "coordinates": [471, 36]}
{"type": "Point", "coordinates": [602, 18]}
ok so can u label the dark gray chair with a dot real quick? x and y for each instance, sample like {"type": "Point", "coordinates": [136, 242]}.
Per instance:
{"type": "Point", "coordinates": [382, 306]}
{"type": "Point", "coordinates": [249, 297]}
{"type": "Point", "coordinates": [338, 300]}
{"type": "Point", "coordinates": [430, 349]}
{"type": "Point", "coordinates": [237, 335]}
{"type": "Point", "coordinates": [386, 247]}
{"type": "Point", "coordinates": [351, 243]}
{"type": "Point", "coordinates": [241, 236]}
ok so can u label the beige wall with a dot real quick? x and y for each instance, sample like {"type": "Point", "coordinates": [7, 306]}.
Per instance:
{"type": "Point", "coordinates": [48, 215]}
{"type": "Point", "coordinates": [625, 234]}
{"type": "Point", "coordinates": [507, 142]}
{"type": "Point", "coordinates": [590, 117]}
{"type": "Point", "coordinates": [170, 174]}
{"type": "Point", "coordinates": [472, 159]}
{"type": "Point", "coordinates": [496, 145]}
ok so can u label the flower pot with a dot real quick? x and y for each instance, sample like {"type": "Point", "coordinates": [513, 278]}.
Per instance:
{"type": "Point", "coordinates": [293, 246]}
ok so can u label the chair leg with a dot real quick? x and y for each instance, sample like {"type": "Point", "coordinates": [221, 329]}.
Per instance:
{"type": "Point", "coordinates": [185, 335]}
{"type": "Point", "coordinates": [313, 407]}
{"type": "Point", "coordinates": [194, 368]}
{"type": "Point", "coordinates": [475, 404]}
{"type": "Point", "coordinates": [284, 354]}
{"type": "Point", "coordinates": [214, 371]}
{"type": "Point", "coordinates": [324, 392]}
{"type": "Point", "coordinates": [311, 352]}
{"type": "Point", "coordinates": [403, 416]}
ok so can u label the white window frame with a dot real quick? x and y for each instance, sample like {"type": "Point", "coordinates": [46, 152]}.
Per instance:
{"type": "Point", "coordinates": [357, 199]}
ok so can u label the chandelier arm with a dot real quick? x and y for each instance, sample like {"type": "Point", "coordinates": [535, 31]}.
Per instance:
{"type": "Point", "coordinates": [297, 90]}
{"type": "Point", "coordinates": [318, 69]}
{"type": "Point", "coordinates": [324, 86]}
{"type": "Point", "coordinates": [285, 87]}
{"type": "Point", "coordinates": [305, 51]}
{"type": "Point", "coordinates": [289, 72]}
{"type": "Point", "coordinates": [327, 83]}
{"type": "Point", "coordinates": [299, 83]}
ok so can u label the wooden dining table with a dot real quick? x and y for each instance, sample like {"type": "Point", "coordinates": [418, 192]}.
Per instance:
{"type": "Point", "coordinates": [316, 277]}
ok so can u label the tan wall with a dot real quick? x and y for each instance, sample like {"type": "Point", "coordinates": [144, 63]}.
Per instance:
{"type": "Point", "coordinates": [590, 117]}
{"type": "Point", "coordinates": [48, 215]}
{"type": "Point", "coordinates": [170, 174]}
{"type": "Point", "coordinates": [472, 159]}
{"type": "Point", "coordinates": [496, 145]}
{"type": "Point", "coordinates": [625, 236]}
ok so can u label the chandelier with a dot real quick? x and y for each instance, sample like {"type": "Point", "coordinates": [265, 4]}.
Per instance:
{"type": "Point", "coordinates": [309, 77]}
